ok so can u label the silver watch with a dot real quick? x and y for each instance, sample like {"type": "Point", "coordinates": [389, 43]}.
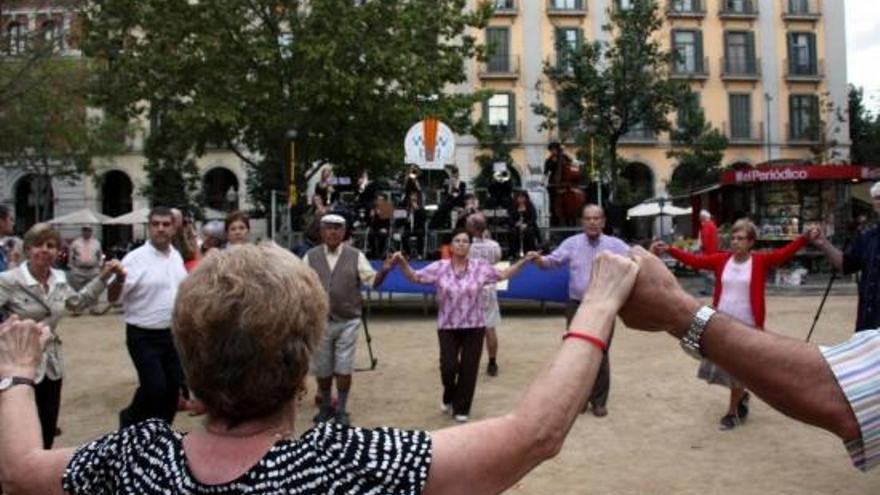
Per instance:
{"type": "Point", "coordinates": [690, 343]}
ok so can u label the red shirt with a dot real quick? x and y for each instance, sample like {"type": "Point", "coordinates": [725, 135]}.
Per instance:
{"type": "Point", "coordinates": [762, 262]}
{"type": "Point", "coordinates": [709, 237]}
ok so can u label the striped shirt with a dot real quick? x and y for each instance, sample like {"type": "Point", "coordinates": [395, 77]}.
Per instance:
{"type": "Point", "coordinates": [856, 365]}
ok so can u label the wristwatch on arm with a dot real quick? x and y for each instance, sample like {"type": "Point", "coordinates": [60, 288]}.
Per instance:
{"type": "Point", "coordinates": [7, 382]}
{"type": "Point", "coordinates": [690, 343]}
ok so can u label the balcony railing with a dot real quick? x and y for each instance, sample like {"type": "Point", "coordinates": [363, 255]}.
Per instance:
{"type": "Point", "coordinates": [567, 7]}
{"type": "Point", "coordinates": [686, 8]}
{"type": "Point", "coordinates": [811, 72]}
{"type": "Point", "coordinates": [639, 135]}
{"type": "Point", "coordinates": [696, 69]}
{"type": "Point", "coordinates": [801, 136]}
{"type": "Point", "coordinates": [738, 9]}
{"type": "Point", "coordinates": [801, 10]}
{"type": "Point", "coordinates": [740, 69]}
{"type": "Point", "coordinates": [500, 67]}
{"type": "Point", "coordinates": [505, 7]}
{"type": "Point", "coordinates": [752, 133]}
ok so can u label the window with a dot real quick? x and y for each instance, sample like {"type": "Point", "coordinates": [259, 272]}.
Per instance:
{"type": "Point", "coordinates": [16, 38]}
{"type": "Point", "coordinates": [685, 5]}
{"type": "Point", "coordinates": [50, 35]}
{"type": "Point", "coordinates": [625, 4]}
{"type": "Point", "coordinates": [737, 6]}
{"type": "Point", "coordinates": [688, 49]}
{"type": "Point", "coordinates": [568, 41]}
{"type": "Point", "coordinates": [688, 107]}
{"type": "Point", "coordinates": [802, 54]}
{"type": "Point", "coordinates": [739, 52]}
{"type": "Point", "coordinates": [498, 41]}
{"type": "Point", "coordinates": [498, 112]}
{"type": "Point", "coordinates": [567, 117]}
{"type": "Point", "coordinates": [804, 114]}
{"type": "Point", "coordinates": [799, 6]}
{"type": "Point", "coordinates": [740, 116]}
{"type": "Point", "coordinates": [503, 4]}
{"type": "Point", "coordinates": [566, 4]}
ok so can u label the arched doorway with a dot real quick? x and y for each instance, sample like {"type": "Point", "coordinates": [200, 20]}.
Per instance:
{"type": "Point", "coordinates": [34, 201]}
{"type": "Point", "coordinates": [116, 200]}
{"type": "Point", "coordinates": [220, 187]}
{"type": "Point", "coordinates": [637, 186]}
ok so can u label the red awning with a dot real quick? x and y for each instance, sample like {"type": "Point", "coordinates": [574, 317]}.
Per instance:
{"type": "Point", "coordinates": [765, 173]}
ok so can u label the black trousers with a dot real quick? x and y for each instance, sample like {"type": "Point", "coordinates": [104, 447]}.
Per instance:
{"type": "Point", "coordinates": [48, 397]}
{"type": "Point", "coordinates": [159, 373]}
{"type": "Point", "coordinates": [602, 386]}
{"type": "Point", "coordinates": [460, 352]}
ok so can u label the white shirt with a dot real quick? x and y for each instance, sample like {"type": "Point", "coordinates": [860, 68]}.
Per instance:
{"type": "Point", "coordinates": [736, 299]}
{"type": "Point", "coordinates": [365, 269]}
{"type": "Point", "coordinates": [151, 286]}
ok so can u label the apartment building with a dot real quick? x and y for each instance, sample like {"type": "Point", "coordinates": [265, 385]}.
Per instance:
{"type": "Point", "coordinates": [760, 69]}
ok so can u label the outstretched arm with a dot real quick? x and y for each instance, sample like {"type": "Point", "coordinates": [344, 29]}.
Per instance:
{"type": "Point", "coordinates": [785, 253]}
{"type": "Point", "coordinates": [515, 268]}
{"type": "Point", "coordinates": [400, 260]}
{"type": "Point", "coordinates": [790, 375]}
{"type": "Point", "coordinates": [491, 455]}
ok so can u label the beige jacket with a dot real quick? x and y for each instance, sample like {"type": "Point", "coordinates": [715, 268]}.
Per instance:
{"type": "Point", "coordinates": [22, 295]}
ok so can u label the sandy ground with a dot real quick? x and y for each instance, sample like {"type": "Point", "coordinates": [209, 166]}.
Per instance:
{"type": "Point", "coordinates": [661, 434]}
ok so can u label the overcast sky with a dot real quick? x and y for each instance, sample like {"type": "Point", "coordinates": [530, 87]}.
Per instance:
{"type": "Point", "coordinates": [863, 48]}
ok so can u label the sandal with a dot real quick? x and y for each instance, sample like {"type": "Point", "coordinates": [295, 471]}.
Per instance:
{"type": "Point", "coordinates": [728, 422]}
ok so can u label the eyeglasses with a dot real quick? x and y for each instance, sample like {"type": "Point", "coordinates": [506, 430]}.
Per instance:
{"type": "Point", "coordinates": [461, 241]}
{"type": "Point", "coordinates": [739, 237]}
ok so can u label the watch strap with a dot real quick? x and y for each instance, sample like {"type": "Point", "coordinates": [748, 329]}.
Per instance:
{"type": "Point", "coordinates": [8, 382]}
{"type": "Point", "coordinates": [691, 340]}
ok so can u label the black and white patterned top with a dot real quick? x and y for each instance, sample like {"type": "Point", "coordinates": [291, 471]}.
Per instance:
{"type": "Point", "coordinates": [148, 458]}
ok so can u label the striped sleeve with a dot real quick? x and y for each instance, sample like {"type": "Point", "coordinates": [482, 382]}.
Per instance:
{"type": "Point", "coordinates": [856, 365]}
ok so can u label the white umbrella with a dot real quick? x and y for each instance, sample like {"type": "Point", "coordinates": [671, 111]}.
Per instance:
{"type": "Point", "coordinates": [131, 218]}
{"type": "Point", "coordinates": [653, 209]}
{"type": "Point", "coordinates": [80, 217]}
{"type": "Point", "coordinates": [212, 214]}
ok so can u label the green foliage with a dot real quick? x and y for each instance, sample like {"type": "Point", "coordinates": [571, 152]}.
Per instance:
{"type": "Point", "coordinates": [828, 124]}
{"type": "Point", "coordinates": [610, 88]}
{"type": "Point", "coordinates": [349, 78]}
{"type": "Point", "coordinates": [46, 130]}
{"type": "Point", "coordinates": [698, 148]}
{"type": "Point", "coordinates": [495, 146]}
{"type": "Point", "coordinates": [173, 177]}
{"type": "Point", "coordinates": [864, 130]}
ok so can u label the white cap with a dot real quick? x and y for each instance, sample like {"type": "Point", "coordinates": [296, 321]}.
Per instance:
{"type": "Point", "coordinates": [333, 218]}
{"type": "Point", "coordinates": [875, 190]}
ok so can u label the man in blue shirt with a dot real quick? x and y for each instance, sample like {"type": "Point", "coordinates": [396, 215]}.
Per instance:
{"type": "Point", "coordinates": [863, 255]}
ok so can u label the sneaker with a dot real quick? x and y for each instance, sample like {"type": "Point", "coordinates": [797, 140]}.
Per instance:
{"type": "Point", "coordinates": [728, 422]}
{"type": "Point", "coordinates": [492, 369]}
{"type": "Point", "coordinates": [461, 418]}
{"type": "Point", "coordinates": [324, 414]}
{"type": "Point", "coordinates": [446, 407]}
{"type": "Point", "coordinates": [342, 418]}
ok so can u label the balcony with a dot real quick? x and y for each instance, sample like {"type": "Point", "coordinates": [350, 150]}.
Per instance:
{"type": "Point", "coordinates": [740, 69]}
{"type": "Point", "coordinates": [809, 72]}
{"type": "Point", "coordinates": [639, 135]}
{"type": "Point", "coordinates": [690, 69]}
{"type": "Point", "coordinates": [500, 68]}
{"type": "Point", "coordinates": [686, 9]}
{"type": "Point", "coordinates": [738, 9]}
{"type": "Point", "coordinates": [801, 10]}
{"type": "Point", "coordinates": [512, 131]}
{"type": "Point", "coordinates": [563, 8]}
{"type": "Point", "coordinates": [505, 7]}
{"type": "Point", "coordinates": [750, 134]}
{"type": "Point", "coordinates": [801, 136]}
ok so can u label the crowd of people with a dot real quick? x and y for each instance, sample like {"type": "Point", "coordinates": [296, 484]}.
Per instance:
{"type": "Point", "coordinates": [238, 333]}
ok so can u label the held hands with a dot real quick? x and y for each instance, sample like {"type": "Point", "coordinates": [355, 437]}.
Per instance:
{"type": "Point", "coordinates": [113, 267]}
{"type": "Point", "coordinates": [391, 260]}
{"type": "Point", "coordinates": [816, 236]}
{"type": "Point", "coordinates": [659, 247]}
{"type": "Point", "coordinates": [21, 346]}
{"type": "Point", "coordinates": [612, 279]}
{"type": "Point", "coordinates": [657, 302]}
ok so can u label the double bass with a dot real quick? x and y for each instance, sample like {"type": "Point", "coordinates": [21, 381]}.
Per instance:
{"type": "Point", "coordinates": [568, 199]}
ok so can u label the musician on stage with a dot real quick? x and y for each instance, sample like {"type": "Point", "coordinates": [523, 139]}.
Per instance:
{"type": "Point", "coordinates": [366, 195]}
{"type": "Point", "coordinates": [523, 223]}
{"type": "Point", "coordinates": [411, 185]}
{"type": "Point", "coordinates": [555, 167]}
{"type": "Point", "coordinates": [379, 222]}
{"type": "Point", "coordinates": [413, 227]}
{"type": "Point", "coordinates": [324, 186]}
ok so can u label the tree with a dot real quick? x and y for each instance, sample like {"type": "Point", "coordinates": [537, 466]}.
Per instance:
{"type": "Point", "coordinates": [828, 123]}
{"type": "Point", "coordinates": [48, 132]}
{"type": "Point", "coordinates": [698, 148]}
{"type": "Point", "coordinates": [611, 88]}
{"type": "Point", "coordinates": [864, 130]}
{"type": "Point", "coordinates": [348, 77]}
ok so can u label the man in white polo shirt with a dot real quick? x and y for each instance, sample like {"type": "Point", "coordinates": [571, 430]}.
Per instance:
{"type": "Point", "coordinates": [154, 272]}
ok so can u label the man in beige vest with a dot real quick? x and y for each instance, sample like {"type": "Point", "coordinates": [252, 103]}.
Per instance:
{"type": "Point", "coordinates": [342, 270]}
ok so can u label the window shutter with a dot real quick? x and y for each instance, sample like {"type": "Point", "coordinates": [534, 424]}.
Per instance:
{"type": "Point", "coordinates": [511, 114]}
{"type": "Point", "coordinates": [750, 52]}
{"type": "Point", "coordinates": [699, 63]}
{"type": "Point", "coordinates": [486, 112]}
{"type": "Point", "coordinates": [811, 42]}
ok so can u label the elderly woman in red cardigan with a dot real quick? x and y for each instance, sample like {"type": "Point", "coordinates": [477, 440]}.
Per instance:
{"type": "Point", "coordinates": [740, 277]}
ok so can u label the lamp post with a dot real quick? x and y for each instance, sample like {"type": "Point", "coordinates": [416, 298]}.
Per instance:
{"type": "Point", "coordinates": [768, 99]}
{"type": "Point", "coordinates": [232, 198]}
{"type": "Point", "coordinates": [591, 131]}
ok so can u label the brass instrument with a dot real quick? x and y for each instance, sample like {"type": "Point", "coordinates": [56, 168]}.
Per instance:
{"type": "Point", "coordinates": [501, 175]}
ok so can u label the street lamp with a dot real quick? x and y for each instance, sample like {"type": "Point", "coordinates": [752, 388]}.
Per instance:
{"type": "Point", "coordinates": [590, 130]}
{"type": "Point", "coordinates": [768, 99]}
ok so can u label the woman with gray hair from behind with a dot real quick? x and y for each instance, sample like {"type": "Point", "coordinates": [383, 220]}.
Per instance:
{"type": "Point", "coordinates": [246, 322]}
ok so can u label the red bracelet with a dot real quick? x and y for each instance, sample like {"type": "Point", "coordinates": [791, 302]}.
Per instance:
{"type": "Point", "coordinates": [588, 338]}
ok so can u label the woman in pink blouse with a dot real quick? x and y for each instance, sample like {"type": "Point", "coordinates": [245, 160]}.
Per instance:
{"type": "Point", "coordinates": [461, 320]}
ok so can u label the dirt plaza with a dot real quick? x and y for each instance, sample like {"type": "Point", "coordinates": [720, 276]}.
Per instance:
{"type": "Point", "coordinates": [661, 435]}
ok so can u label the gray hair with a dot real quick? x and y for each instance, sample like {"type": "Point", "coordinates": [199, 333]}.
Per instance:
{"type": "Point", "coordinates": [875, 190]}
{"type": "Point", "coordinates": [705, 215]}
{"type": "Point", "coordinates": [214, 229]}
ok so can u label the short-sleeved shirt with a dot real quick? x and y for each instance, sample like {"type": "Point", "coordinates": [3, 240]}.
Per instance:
{"type": "Point", "coordinates": [856, 366]}
{"type": "Point", "coordinates": [148, 458]}
{"type": "Point", "coordinates": [864, 255]}
{"type": "Point", "coordinates": [578, 253]}
{"type": "Point", "coordinates": [459, 295]}
{"type": "Point", "coordinates": [151, 286]}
